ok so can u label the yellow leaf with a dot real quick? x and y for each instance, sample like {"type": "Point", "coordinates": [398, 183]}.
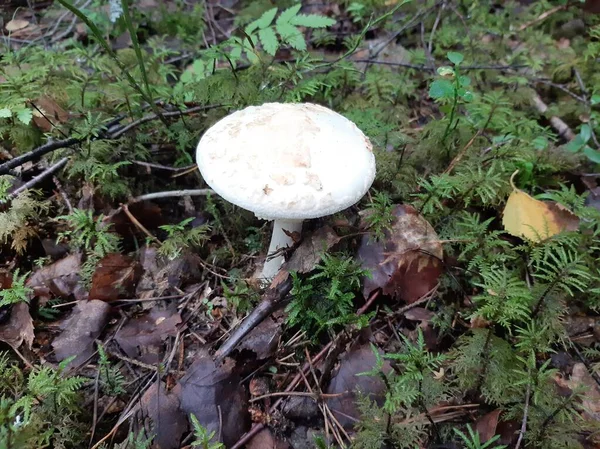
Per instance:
{"type": "Point", "coordinates": [535, 220]}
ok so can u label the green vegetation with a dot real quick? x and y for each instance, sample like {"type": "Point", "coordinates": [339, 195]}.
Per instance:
{"type": "Point", "coordinates": [459, 99]}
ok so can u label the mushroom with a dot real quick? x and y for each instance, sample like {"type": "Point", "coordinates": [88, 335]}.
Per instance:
{"type": "Point", "coordinates": [287, 163]}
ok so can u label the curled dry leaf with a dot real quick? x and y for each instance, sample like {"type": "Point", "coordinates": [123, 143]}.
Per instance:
{"type": "Point", "coordinates": [346, 381]}
{"type": "Point", "coordinates": [407, 262]}
{"type": "Point", "coordinates": [212, 392]}
{"type": "Point", "coordinates": [535, 220]}
{"type": "Point", "coordinates": [79, 331]}
{"type": "Point", "coordinates": [264, 338]}
{"type": "Point", "coordinates": [168, 422]}
{"type": "Point", "coordinates": [19, 327]}
{"type": "Point", "coordinates": [142, 338]}
{"type": "Point", "coordinates": [487, 424]}
{"type": "Point", "coordinates": [309, 252]}
{"type": "Point", "coordinates": [266, 440]}
{"type": "Point", "coordinates": [581, 379]}
{"type": "Point", "coordinates": [60, 279]}
{"type": "Point", "coordinates": [51, 113]}
{"type": "Point", "coordinates": [115, 277]}
{"type": "Point", "coordinates": [16, 25]}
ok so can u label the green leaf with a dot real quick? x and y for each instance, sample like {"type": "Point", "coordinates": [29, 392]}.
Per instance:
{"type": "Point", "coordinates": [455, 58]}
{"type": "Point", "coordinates": [591, 154]}
{"type": "Point", "coordinates": [441, 89]}
{"type": "Point", "coordinates": [291, 36]}
{"type": "Point", "coordinates": [585, 132]}
{"type": "Point", "coordinates": [540, 143]}
{"type": "Point", "coordinates": [5, 113]}
{"type": "Point", "coordinates": [595, 99]}
{"type": "Point", "coordinates": [312, 21]}
{"type": "Point", "coordinates": [263, 22]}
{"type": "Point", "coordinates": [575, 145]}
{"type": "Point", "coordinates": [288, 14]}
{"type": "Point", "coordinates": [25, 116]}
{"type": "Point", "coordinates": [464, 81]}
{"type": "Point", "coordinates": [268, 39]}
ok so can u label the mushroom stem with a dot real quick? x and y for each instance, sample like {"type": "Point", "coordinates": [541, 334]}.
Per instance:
{"type": "Point", "coordinates": [279, 240]}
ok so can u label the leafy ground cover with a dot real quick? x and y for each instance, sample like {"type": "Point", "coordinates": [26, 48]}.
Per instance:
{"type": "Point", "coordinates": [456, 305]}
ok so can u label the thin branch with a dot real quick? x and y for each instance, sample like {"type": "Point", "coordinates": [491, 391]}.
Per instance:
{"type": "Point", "coordinates": [32, 182]}
{"type": "Point", "coordinates": [148, 118]}
{"type": "Point", "coordinates": [38, 152]}
{"type": "Point", "coordinates": [556, 122]}
{"type": "Point", "coordinates": [172, 193]}
{"type": "Point", "coordinates": [542, 17]}
{"type": "Point", "coordinates": [525, 414]}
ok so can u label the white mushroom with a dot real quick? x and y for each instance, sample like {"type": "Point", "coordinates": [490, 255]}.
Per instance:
{"type": "Point", "coordinates": [288, 163]}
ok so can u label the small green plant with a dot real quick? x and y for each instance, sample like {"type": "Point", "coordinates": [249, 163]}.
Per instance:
{"type": "Point", "coordinates": [204, 438]}
{"type": "Point", "coordinates": [180, 238]}
{"type": "Point", "coordinates": [18, 292]}
{"type": "Point", "coordinates": [16, 222]}
{"type": "Point", "coordinates": [324, 300]}
{"type": "Point", "coordinates": [242, 296]}
{"type": "Point", "coordinates": [380, 216]}
{"type": "Point", "coordinates": [450, 89]}
{"type": "Point", "coordinates": [111, 379]}
{"type": "Point", "coordinates": [472, 440]}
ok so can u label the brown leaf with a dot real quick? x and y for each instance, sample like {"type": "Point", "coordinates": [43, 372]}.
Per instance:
{"type": "Point", "coordinates": [19, 327]}
{"type": "Point", "coordinates": [53, 113]}
{"type": "Point", "coordinates": [309, 252]}
{"type": "Point", "coordinates": [214, 395]}
{"type": "Point", "coordinates": [60, 279]}
{"type": "Point", "coordinates": [79, 331]}
{"type": "Point", "coordinates": [263, 339]}
{"type": "Point", "coordinates": [581, 378]}
{"type": "Point", "coordinates": [406, 263]}
{"type": "Point", "coordinates": [168, 422]}
{"type": "Point", "coordinates": [143, 338]}
{"type": "Point", "coordinates": [266, 440]}
{"type": "Point", "coordinates": [592, 6]}
{"type": "Point", "coordinates": [487, 424]}
{"type": "Point", "coordinates": [16, 24]}
{"type": "Point", "coordinates": [346, 381]}
{"type": "Point", "coordinates": [115, 277]}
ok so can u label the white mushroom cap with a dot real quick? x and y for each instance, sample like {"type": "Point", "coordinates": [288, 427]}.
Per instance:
{"type": "Point", "coordinates": [287, 161]}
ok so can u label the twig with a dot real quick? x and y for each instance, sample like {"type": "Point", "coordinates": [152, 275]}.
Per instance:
{"type": "Point", "coordinates": [162, 167]}
{"type": "Point", "coordinates": [63, 194]}
{"type": "Point", "coordinates": [148, 118]}
{"type": "Point", "coordinates": [556, 122]}
{"type": "Point", "coordinates": [37, 153]}
{"type": "Point", "coordinates": [32, 182]}
{"type": "Point", "coordinates": [171, 193]}
{"type": "Point", "coordinates": [461, 153]}
{"type": "Point", "coordinates": [542, 17]}
{"type": "Point", "coordinates": [563, 88]}
{"type": "Point", "coordinates": [140, 226]}
{"type": "Point", "coordinates": [273, 299]}
{"type": "Point", "coordinates": [435, 25]}
{"type": "Point", "coordinates": [431, 69]}
{"type": "Point", "coordinates": [525, 413]}
{"type": "Point", "coordinates": [314, 396]}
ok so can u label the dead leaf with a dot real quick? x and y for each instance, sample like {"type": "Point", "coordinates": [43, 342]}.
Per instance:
{"type": "Point", "coordinates": [487, 424]}
{"type": "Point", "coordinates": [592, 6]}
{"type": "Point", "coordinates": [266, 440]}
{"type": "Point", "coordinates": [263, 339]}
{"type": "Point", "coordinates": [581, 378]}
{"type": "Point", "coordinates": [115, 277]}
{"type": "Point", "coordinates": [16, 24]}
{"type": "Point", "coordinates": [214, 395]}
{"type": "Point", "coordinates": [167, 422]}
{"type": "Point", "coordinates": [419, 314]}
{"type": "Point", "coordinates": [79, 331]}
{"type": "Point", "coordinates": [346, 381]}
{"type": "Point", "coordinates": [19, 327]}
{"type": "Point", "coordinates": [309, 252]}
{"type": "Point", "coordinates": [535, 220]}
{"type": "Point", "coordinates": [406, 263]}
{"type": "Point", "coordinates": [60, 279]}
{"type": "Point", "coordinates": [143, 338]}
{"type": "Point", "coordinates": [53, 113]}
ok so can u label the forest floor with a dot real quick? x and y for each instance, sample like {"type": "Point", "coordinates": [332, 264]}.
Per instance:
{"type": "Point", "coordinates": [455, 305]}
